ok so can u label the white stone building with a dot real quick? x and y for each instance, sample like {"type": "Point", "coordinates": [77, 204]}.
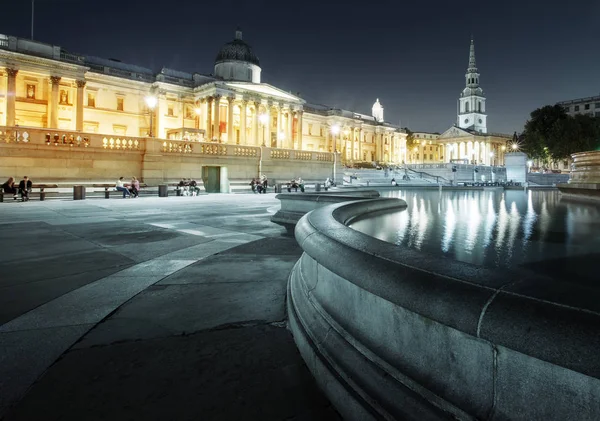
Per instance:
{"type": "Point", "coordinates": [588, 106]}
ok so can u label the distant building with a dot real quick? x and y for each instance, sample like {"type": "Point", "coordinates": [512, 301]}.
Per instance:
{"type": "Point", "coordinates": [587, 106]}
{"type": "Point", "coordinates": [43, 86]}
{"type": "Point", "coordinates": [425, 149]}
{"type": "Point", "coordinates": [467, 141]}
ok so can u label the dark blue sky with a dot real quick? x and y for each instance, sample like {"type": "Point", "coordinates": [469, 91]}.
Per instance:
{"type": "Point", "coordinates": [412, 57]}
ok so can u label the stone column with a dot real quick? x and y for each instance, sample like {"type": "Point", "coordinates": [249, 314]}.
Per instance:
{"type": "Point", "coordinates": [327, 137]}
{"type": "Point", "coordinates": [377, 146]}
{"type": "Point", "coordinates": [352, 135]}
{"type": "Point", "coordinates": [11, 96]}
{"type": "Point", "coordinates": [255, 140]}
{"type": "Point", "coordinates": [300, 129]}
{"type": "Point", "coordinates": [267, 133]}
{"type": "Point", "coordinates": [279, 126]}
{"type": "Point", "coordinates": [360, 140]}
{"type": "Point", "coordinates": [54, 102]}
{"type": "Point", "coordinates": [79, 109]}
{"type": "Point", "coordinates": [243, 105]}
{"type": "Point", "coordinates": [208, 128]}
{"type": "Point", "coordinates": [290, 134]}
{"type": "Point", "coordinates": [393, 148]}
{"type": "Point", "coordinates": [217, 129]}
{"type": "Point", "coordinates": [230, 136]}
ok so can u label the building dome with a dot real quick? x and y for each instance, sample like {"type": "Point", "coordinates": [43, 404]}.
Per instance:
{"type": "Point", "coordinates": [237, 50]}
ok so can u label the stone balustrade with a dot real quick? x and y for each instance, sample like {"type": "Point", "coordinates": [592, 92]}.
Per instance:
{"type": "Point", "coordinates": [393, 333]}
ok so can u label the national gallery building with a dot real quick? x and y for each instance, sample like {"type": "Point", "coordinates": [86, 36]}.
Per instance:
{"type": "Point", "coordinates": [46, 91]}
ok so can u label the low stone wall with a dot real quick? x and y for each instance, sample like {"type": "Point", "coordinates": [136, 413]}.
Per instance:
{"type": "Point", "coordinates": [393, 333]}
{"type": "Point", "coordinates": [294, 206]}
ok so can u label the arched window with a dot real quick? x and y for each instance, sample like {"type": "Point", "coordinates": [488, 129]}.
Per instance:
{"type": "Point", "coordinates": [466, 107]}
{"type": "Point", "coordinates": [249, 74]}
{"type": "Point", "coordinates": [479, 106]}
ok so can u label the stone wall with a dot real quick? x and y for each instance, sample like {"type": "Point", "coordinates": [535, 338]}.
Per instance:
{"type": "Point", "coordinates": [393, 333]}
{"type": "Point", "coordinates": [72, 157]}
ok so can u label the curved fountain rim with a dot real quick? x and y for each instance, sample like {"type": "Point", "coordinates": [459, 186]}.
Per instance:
{"type": "Point", "coordinates": [329, 223]}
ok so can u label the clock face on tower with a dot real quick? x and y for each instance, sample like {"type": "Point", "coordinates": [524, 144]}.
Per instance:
{"type": "Point", "coordinates": [466, 120]}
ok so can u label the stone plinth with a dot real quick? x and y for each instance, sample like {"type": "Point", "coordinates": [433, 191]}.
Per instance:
{"type": "Point", "coordinates": [585, 177]}
{"type": "Point", "coordinates": [516, 167]}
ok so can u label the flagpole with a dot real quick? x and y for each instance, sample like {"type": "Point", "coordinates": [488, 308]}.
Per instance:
{"type": "Point", "coordinates": [32, 8]}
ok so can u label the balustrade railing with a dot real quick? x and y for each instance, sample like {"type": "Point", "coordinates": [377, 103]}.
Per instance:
{"type": "Point", "coordinates": [70, 139]}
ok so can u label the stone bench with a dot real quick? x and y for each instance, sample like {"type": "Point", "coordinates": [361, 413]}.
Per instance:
{"type": "Point", "coordinates": [42, 190]}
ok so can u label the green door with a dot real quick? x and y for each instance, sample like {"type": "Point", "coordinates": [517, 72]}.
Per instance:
{"type": "Point", "coordinates": [212, 179]}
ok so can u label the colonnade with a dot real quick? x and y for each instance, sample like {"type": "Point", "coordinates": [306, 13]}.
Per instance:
{"type": "Point", "coordinates": [482, 153]}
{"type": "Point", "coordinates": [251, 122]}
{"type": "Point", "coordinates": [52, 109]}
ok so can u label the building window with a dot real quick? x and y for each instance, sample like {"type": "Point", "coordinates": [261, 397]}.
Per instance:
{"type": "Point", "coordinates": [91, 100]}
{"type": "Point", "coordinates": [567, 108]}
{"type": "Point", "coordinates": [597, 114]}
{"type": "Point", "coordinates": [30, 91]}
{"type": "Point", "coordinates": [577, 108]}
{"type": "Point", "coordinates": [170, 111]}
{"type": "Point", "coordinates": [310, 126]}
{"type": "Point", "coordinates": [598, 105]}
{"type": "Point", "coordinates": [189, 112]}
{"type": "Point", "coordinates": [250, 74]}
{"type": "Point", "coordinates": [466, 107]}
{"type": "Point", "coordinates": [120, 104]}
{"type": "Point", "coordinates": [587, 106]}
{"type": "Point", "coordinates": [431, 157]}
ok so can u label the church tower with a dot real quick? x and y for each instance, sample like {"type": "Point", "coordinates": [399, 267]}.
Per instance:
{"type": "Point", "coordinates": [471, 106]}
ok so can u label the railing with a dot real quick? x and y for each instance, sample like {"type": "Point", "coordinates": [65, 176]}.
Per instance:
{"type": "Point", "coordinates": [3, 43]}
{"type": "Point", "coordinates": [429, 177]}
{"type": "Point", "coordinates": [70, 139]}
{"type": "Point", "coordinates": [57, 138]}
{"type": "Point", "coordinates": [71, 57]}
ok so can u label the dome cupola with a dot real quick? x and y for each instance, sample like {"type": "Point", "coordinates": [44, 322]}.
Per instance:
{"type": "Point", "coordinates": [237, 61]}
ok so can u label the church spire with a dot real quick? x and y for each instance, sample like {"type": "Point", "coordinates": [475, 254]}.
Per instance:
{"type": "Point", "coordinates": [472, 66]}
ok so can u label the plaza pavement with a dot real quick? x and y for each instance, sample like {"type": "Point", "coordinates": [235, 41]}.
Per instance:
{"type": "Point", "coordinates": [147, 309]}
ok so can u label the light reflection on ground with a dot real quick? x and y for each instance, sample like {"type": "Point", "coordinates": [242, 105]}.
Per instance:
{"type": "Point", "coordinates": [535, 229]}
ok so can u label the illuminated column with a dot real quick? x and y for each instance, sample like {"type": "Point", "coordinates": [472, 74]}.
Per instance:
{"type": "Point", "coordinates": [230, 137]}
{"type": "Point", "coordinates": [300, 129]}
{"type": "Point", "coordinates": [327, 137]}
{"type": "Point", "coordinates": [352, 137]}
{"type": "Point", "coordinates": [209, 132]}
{"type": "Point", "coordinates": [290, 129]}
{"type": "Point", "coordinates": [377, 147]}
{"type": "Point", "coordinates": [255, 140]}
{"type": "Point", "coordinates": [11, 95]}
{"type": "Point", "coordinates": [54, 102]}
{"type": "Point", "coordinates": [267, 139]}
{"type": "Point", "coordinates": [243, 106]}
{"type": "Point", "coordinates": [360, 139]}
{"type": "Point", "coordinates": [217, 128]}
{"type": "Point", "coordinates": [79, 109]}
{"type": "Point", "coordinates": [279, 126]}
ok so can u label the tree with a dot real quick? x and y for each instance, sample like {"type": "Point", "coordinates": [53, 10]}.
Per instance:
{"type": "Point", "coordinates": [552, 135]}
{"type": "Point", "coordinates": [410, 138]}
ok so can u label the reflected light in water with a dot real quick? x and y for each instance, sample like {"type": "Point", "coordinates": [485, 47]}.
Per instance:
{"type": "Point", "coordinates": [449, 226]}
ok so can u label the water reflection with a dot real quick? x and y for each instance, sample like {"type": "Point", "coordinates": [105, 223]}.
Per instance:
{"type": "Point", "coordinates": [495, 228]}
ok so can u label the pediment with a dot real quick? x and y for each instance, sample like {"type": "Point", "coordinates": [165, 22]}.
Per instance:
{"type": "Point", "coordinates": [264, 89]}
{"type": "Point", "coordinates": [454, 132]}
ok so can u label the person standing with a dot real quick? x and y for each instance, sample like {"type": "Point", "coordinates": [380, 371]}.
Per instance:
{"type": "Point", "coordinates": [25, 187]}
{"type": "Point", "coordinates": [121, 187]}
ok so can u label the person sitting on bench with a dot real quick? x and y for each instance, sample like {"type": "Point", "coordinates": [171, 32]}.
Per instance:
{"type": "Point", "coordinates": [24, 188]}
{"type": "Point", "coordinates": [9, 187]}
{"type": "Point", "coordinates": [121, 187]}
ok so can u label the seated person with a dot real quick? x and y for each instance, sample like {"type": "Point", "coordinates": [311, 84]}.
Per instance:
{"type": "Point", "coordinates": [134, 189]}
{"type": "Point", "coordinates": [24, 188]}
{"type": "Point", "coordinates": [394, 182]}
{"type": "Point", "coordinates": [194, 187]}
{"type": "Point", "coordinates": [121, 187]}
{"type": "Point", "coordinates": [9, 187]}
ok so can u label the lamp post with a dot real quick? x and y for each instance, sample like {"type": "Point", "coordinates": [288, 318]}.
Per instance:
{"type": "Point", "coordinates": [503, 154]}
{"type": "Point", "coordinates": [514, 147]}
{"type": "Point", "coordinates": [151, 103]}
{"type": "Point", "coordinates": [492, 159]}
{"type": "Point", "coordinates": [335, 130]}
{"type": "Point", "coordinates": [529, 164]}
{"type": "Point", "coordinates": [263, 120]}
{"type": "Point", "coordinates": [280, 138]}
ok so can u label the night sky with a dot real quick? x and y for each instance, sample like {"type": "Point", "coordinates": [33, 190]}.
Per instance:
{"type": "Point", "coordinates": [410, 55]}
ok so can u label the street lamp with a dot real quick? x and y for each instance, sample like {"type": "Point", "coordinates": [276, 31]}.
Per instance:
{"type": "Point", "coordinates": [263, 120]}
{"type": "Point", "coordinates": [281, 138]}
{"type": "Point", "coordinates": [335, 130]}
{"type": "Point", "coordinates": [529, 164]}
{"type": "Point", "coordinates": [151, 103]}
{"type": "Point", "coordinates": [514, 146]}
{"type": "Point", "coordinates": [492, 158]}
